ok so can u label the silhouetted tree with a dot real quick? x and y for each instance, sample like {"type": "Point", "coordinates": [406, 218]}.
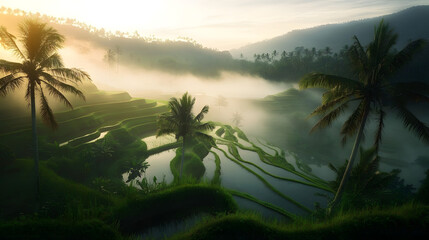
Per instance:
{"type": "Point", "coordinates": [373, 91]}
{"type": "Point", "coordinates": [181, 122]}
{"type": "Point", "coordinates": [41, 68]}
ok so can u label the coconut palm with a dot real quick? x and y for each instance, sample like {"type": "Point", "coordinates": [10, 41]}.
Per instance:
{"type": "Point", "coordinates": [181, 122]}
{"type": "Point", "coordinates": [40, 69]}
{"type": "Point", "coordinates": [372, 92]}
{"type": "Point", "coordinates": [366, 182]}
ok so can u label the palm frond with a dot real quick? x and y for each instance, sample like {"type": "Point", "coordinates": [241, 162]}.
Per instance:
{"type": "Point", "coordinates": [205, 137]}
{"type": "Point", "coordinates": [200, 115]}
{"type": "Point", "coordinates": [180, 120]}
{"type": "Point", "coordinates": [358, 57]}
{"type": "Point", "coordinates": [7, 40]}
{"type": "Point", "coordinates": [410, 92]}
{"type": "Point", "coordinates": [53, 61]}
{"type": "Point", "coordinates": [332, 167]}
{"type": "Point", "coordinates": [166, 124]}
{"type": "Point", "coordinates": [322, 109]}
{"type": "Point", "coordinates": [208, 126]}
{"type": "Point", "coordinates": [9, 83]}
{"type": "Point", "coordinates": [329, 118]}
{"type": "Point", "coordinates": [70, 74]}
{"type": "Point", "coordinates": [406, 54]}
{"type": "Point", "coordinates": [46, 111]}
{"type": "Point", "coordinates": [27, 96]}
{"type": "Point", "coordinates": [57, 94]}
{"type": "Point", "coordinates": [378, 135]}
{"type": "Point", "coordinates": [413, 124]}
{"type": "Point", "coordinates": [63, 86]}
{"type": "Point", "coordinates": [319, 80]}
{"type": "Point", "coordinates": [384, 40]}
{"type": "Point", "coordinates": [50, 44]}
{"type": "Point", "coordinates": [351, 125]}
{"type": "Point", "coordinates": [10, 67]}
{"type": "Point", "coordinates": [39, 40]}
{"type": "Point", "coordinates": [164, 131]}
{"type": "Point", "coordinates": [332, 94]}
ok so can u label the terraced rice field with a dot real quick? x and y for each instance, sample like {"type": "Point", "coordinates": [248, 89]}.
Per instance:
{"type": "Point", "coordinates": [260, 176]}
{"type": "Point", "coordinates": [85, 124]}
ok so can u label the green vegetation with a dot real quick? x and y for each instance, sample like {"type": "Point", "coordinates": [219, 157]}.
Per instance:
{"type": "Point", "coordinates": [395, 223]}
{"type": "Point", "coordinates": [85, 192]}
{"type": "Point", "coordinates": [368, 187]}
{"type": "Point", "coordinates": [374, 91]}
{"type": "Point", "coordinates": [216, 178]}
{"type": "Point", "coordinates": [287, 198]}
{"type": "Point", "coordinates": [137, 214]}
{"type": "Point", "coordinates": [181, 122]}
{"type": "Point", "coordinates": [41, 66]}
{"type": "Point", "coordinates": [265, 204]}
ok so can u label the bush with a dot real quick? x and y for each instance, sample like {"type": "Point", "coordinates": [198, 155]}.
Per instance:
{"type": "Point", "coordinates": [397, 223]}
{"type": "Point", "coordinates": [423, 192]}
{"type": "Point", "coordinates": [172, 204]}
{"type": "Point", "coordinates": [192, 165]}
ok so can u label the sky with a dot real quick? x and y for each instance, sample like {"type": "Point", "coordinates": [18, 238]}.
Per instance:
{"type": "Point", "coordinates": [217, 24]}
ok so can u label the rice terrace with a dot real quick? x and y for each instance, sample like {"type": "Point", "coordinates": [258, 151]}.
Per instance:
{"type": "Point", "coordinates": [214, 120]}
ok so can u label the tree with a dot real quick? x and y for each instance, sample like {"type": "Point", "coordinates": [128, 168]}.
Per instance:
{"type": "Point", "coordinates": [181, 122]}
{"type": "Point", "coordinates": [41, 68]}
{"type": "Point", "coordinates": [369, 186]}
{"type": "Point", "coordinates": [110, 57]}
{"type": "Point", "coordinates": [236, 119]}
{"type": "Point", "coordinates": [221, 101]}
{"type": "Point", "coordinates": [373, 92]}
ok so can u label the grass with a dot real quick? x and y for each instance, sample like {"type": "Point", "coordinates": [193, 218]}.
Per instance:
{"type": "Point", "coordinates": [409, 221]}
{"type": "Point", "coordinates": [193, 166]}
{"type": "Point", "coordinates": [216, 177]}
{"type": "Point", "coordinates": [137, 116]}
{"type": "Point", "coordinates": [140, 213]}
{"type": "Point", "coordinates": [263, 203]}
{"type": "Point", "coordinates": [56, 193]}
{"type": "Point", "coordinates": [78, 209]}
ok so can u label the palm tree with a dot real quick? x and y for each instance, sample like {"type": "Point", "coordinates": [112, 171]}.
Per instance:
{"type": "Point", "coordinates": [181, 122]}
{"type": "Point", "coordinates": [373, 91]}
{"type": "Point", "coordinates": [366, 182]}
{"type": "Point", "coordinates": [41, 68]}
{"type": "Point", "coordinates": [236, 119]}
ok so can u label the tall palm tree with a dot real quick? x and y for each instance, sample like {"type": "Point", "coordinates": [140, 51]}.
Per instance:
{"type": "Point", "coordinates": [366, 181]}
{"type": "Point", "coordinates": [373, 91]}
{"type": "Point", "coordinates": [181, 122]}
{"type": "Point", "coordinates": [41, 68]}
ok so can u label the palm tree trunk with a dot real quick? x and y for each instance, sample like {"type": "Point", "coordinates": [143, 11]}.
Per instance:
{"type": "Point", "coordinates": [349, 167]}
{"type": "Point", "coordinates": [35, 144]}
{"type": "Point", "coordinates": [183, 158]}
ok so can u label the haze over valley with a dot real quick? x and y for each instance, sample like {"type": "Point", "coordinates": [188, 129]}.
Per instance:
{"type": "Point", "coordinates": [249, 116]}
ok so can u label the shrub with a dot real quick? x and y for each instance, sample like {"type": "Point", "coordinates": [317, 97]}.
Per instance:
{"type": "Point", "coordinates": [172, 204]}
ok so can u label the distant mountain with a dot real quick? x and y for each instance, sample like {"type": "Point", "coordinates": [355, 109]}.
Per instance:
{"type": "Point", "coordinates": [409, 24]}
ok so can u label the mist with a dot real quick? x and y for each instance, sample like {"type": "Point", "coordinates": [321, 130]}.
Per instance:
{"type": "Point", "coordinates": [143, 82]}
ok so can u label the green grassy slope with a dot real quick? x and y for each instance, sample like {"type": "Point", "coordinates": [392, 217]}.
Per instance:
{"type": "Point", "coordinates": [83, 124]}
{"type": "Point", "coordinates": [410, 221]}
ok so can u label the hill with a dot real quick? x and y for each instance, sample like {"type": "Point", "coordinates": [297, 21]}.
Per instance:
{"type": "Point", "coordinates": [183, 56]}
{"type": "Point", "coordinates": [409, 24]}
